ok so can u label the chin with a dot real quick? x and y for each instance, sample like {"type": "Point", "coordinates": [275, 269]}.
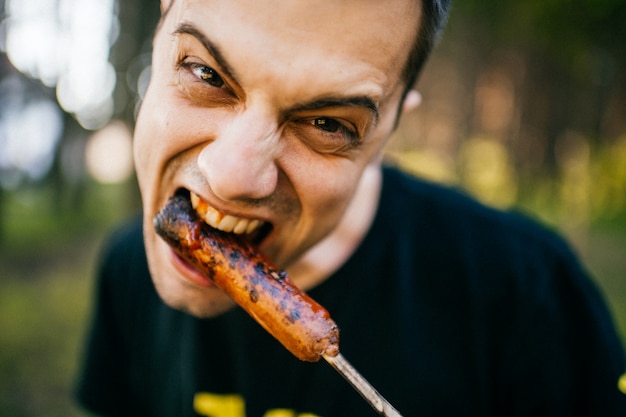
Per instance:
{"type": "Point", "coordinates": [198, 302]}
{"type": "Point", "coordinates": [181, 288]}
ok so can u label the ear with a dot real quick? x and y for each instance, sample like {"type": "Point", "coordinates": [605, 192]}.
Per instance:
{"type": "Point", "coordinates": [411, 101]}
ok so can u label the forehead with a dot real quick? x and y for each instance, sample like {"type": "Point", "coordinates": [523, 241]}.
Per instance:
{"type": "Point", "coordinates": [365, 39]}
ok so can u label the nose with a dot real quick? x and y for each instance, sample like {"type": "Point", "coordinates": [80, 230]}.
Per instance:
{"type": "Point", "coordinates": [241, 162]}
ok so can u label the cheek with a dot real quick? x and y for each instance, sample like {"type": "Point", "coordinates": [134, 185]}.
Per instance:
{"type": "Point", "coordinates": [142, 152]}
{"type": "Point", "coordinates": [153, 147]}
{"type": "Point", "coordinates": [165, 128]}
{"type": "Point", "coordinates": [152, 119]}
{"type": "Point", "coordinates": [327, 190]}
{"type": "Point", "coordinates": [324, 184]}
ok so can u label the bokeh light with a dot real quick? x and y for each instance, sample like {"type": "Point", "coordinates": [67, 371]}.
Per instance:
{"type": "Point", "coordinates": [65, 44]}
{"type": "Point", "coordinates": [30, 129]}
{"type": "Point", "coordinates": [108, 155]}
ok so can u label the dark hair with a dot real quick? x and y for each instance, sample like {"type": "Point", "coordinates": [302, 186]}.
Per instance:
{"type": "Point", "coordinates": [433, 19]}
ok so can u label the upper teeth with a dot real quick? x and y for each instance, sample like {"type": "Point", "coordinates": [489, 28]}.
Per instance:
{"type": "Point", "coordinates": [221, 221]}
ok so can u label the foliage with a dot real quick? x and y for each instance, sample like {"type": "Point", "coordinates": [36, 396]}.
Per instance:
{"type": "Point", "coordinates": [559, 25]}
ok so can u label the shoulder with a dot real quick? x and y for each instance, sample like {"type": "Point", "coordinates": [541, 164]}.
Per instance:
{"type": "Point", "coordinates": [126, 239]}
{"type": "Point", "coordinates": [461, 243]}
{"type": "Point", "coordinates": [122, 271]}
{"type": "Point", "coordinates": [452, 217]}
{"type": "Point", "coordinates": [124, 247]}
{"type": "Point", "coordinates": [505, 259]}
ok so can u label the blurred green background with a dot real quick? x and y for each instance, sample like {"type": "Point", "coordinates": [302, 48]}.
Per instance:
{"type": "Point", "coordinates": [524, 106]}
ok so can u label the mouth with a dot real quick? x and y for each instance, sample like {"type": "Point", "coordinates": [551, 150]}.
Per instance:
{"type": "Point", "coordinates": [183, 217]}
{"type": "Point", "coordinates": [252, 230]}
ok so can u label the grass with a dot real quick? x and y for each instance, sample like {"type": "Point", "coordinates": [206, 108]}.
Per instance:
{"type": "Point", "coordinates": [41, 318]}
{"type": "Point", "coordinates": [44, 306]}
{"type": "Point", "coordinates": [46, 264]}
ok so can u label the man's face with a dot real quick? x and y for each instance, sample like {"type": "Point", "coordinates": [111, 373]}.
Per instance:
{"type": "Point", "coordinates": [268, 112]}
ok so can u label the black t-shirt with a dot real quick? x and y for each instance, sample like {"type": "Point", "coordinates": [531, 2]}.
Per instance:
{"type": "Point", "coordinates": [448, 308]}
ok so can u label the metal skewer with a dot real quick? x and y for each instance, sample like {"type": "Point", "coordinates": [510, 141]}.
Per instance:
{"type": "Point", "coordinates": [360, 384]}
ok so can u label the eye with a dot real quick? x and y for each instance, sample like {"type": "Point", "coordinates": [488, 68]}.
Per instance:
{"type": "Point", "coordinates": [203, 85]}
{"type": "Point", "coordinates": [327, 124]}
{"type": "Point", "coordinates": [327, 134]}
{"type": "Point", "coordinates": [335, 128]}
{"type": "Point", "coordinates": [207, 74]}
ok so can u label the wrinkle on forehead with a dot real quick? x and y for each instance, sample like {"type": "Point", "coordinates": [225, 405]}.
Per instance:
{"type": "Point", "coordinates": [370, 38]}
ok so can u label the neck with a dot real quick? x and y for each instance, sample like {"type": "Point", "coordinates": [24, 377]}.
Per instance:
{"type": "Point", "coordinates": [326, 257]}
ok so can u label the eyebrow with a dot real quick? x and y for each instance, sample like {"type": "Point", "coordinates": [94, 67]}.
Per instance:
{"type": "Point", "coordinates": [363, 101]}
{"type": "Point", "coordinates": [213, 49]}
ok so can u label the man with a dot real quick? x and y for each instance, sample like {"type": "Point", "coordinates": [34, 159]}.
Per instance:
{"type": "Point", "coordinates": [274, 114]}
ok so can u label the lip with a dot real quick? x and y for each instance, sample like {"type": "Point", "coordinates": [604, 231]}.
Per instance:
{"type": "Point", "coordinates": [188, 272]}
{"type": "Point", "coordinates": [217, 206]}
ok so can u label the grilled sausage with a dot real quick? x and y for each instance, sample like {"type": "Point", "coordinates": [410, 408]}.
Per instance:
{"type": "Point", "coordinates": [297, 321]}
